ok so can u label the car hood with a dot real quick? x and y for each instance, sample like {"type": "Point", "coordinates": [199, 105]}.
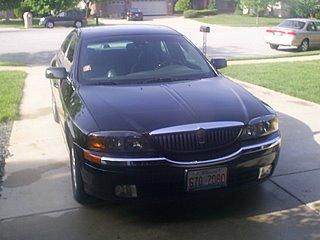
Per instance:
{"type": "Point", "coordinates": [144, 108]}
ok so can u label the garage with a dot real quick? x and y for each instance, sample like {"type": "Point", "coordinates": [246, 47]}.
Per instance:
{"type": "Point", "coordinates": [149, 7]}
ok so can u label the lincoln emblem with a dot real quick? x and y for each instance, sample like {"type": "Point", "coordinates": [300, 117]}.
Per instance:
{"type": "Point", "coordinates": [201, 136]}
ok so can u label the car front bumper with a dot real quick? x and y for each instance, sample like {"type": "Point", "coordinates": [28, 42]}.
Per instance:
{"type": "Point", "coordinates": [161, 178]}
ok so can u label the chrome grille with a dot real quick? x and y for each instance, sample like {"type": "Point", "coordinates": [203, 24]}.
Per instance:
{"type": "Point", "coordinates": [192, 141]}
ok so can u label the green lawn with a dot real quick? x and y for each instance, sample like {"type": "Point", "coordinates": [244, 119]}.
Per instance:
{"type": "Point", "coordinates": [240, 20]}
{"type": "Point", "coordinates": [17, 23]}
{"type": "Point", "coordinates": [299, 79]}
{"type": "Point", "coordinates": [11, 85]}
{"type": "Point", "coordinates": [15, 64]}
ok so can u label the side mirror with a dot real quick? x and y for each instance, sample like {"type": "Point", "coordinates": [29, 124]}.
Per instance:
{"type": "Point", "coordinates": [219, 63]}
{"type": "Point", "coordinates": [56, 73]}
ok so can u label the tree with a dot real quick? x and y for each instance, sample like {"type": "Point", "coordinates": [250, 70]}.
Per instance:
{"type": "Point", "coordinates": [182, 5]}
{"type": "Point", "coordinates": [44, 7]}
{"type": "Point", "coordinates": [7, 5]}
{"type": "Point", "coordinates": [257, 6]}
{"type": "Point", "coordinates": [304, 8]}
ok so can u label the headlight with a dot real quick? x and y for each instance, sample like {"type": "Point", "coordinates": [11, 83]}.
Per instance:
{"type": "Point", "coordinates": [118, 142]}
{"type": "Point", "coordinates": [261, 126]}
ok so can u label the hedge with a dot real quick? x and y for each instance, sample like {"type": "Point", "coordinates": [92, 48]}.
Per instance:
{"type": "Point", "coordinates": [199, 13]}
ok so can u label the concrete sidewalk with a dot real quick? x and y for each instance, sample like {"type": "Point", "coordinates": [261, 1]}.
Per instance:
{"type": "Point", "coordinates": [36, 198]}
{"type": "Point", "coordinates": [276, 60]}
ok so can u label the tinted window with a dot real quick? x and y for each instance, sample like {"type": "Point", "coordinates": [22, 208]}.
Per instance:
{"type": "Point", "coordinates": [71, 48]}
{"type": "Point", "coordinates": [292, 24]}
{"type": "Point", "coordinates": [138, 59]}
{"type": "Point", "coordinates": [311, 27]}
{"type": "Point", "coordinates": [66, 43]}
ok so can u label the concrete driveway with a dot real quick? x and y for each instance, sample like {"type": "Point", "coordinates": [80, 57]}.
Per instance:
{"type": "Point", "coordinates": [36, 198]}
{"type": "Point", "coordinates": [37, 46]}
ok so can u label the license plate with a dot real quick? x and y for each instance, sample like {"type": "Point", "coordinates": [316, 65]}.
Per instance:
{"type": "Point", "coordinates": [206, 178]}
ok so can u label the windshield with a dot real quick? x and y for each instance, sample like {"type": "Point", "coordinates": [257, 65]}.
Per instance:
{"type": "Point", "coordinates": [294, 24]}
{"type": "Point", "coordinates": [140, 59]}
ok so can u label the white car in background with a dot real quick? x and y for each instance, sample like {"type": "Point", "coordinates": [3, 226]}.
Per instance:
{"type": "Point", "coordinates": [301, 33]}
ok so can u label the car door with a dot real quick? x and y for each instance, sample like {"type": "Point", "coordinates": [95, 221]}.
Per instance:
{"type": "Point", "coordinates": [59, 61]}
{"type": "Point", "coordinates": [70, 18]}
{"type": "Point", "coordinates": [66, 88]}
{"type": "Point", "coordinates": [61, 19]}
{"type": "Point", "coordinates": [312, 34]}
{"type": "Point", "coordinates": [317, 23]}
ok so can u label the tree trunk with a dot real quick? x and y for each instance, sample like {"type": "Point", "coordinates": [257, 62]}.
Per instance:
{"type": "Point", "coordinates": [7, 13]}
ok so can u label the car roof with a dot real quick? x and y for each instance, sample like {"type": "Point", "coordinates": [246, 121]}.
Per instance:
{"type": "Point", "coordinates": [302, 19]}
{"type": "Point", "coordinates": [132, 29]}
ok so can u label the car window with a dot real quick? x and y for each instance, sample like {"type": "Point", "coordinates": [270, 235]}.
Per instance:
{"type": "Point", "coordinates": [311, 27]}
{"type": "Point", "coordinates": [62, 14]}
{"type": "Point", "coordinates": [71, 48]}
{"type": "Point", "coordinates": [136, 59]}
{"type": "Point", "coordinates": [66, 43]}
{"type": "Point", "coordinates": [294, 24]}
{"type": "Point", "coordinates": [317, 25]}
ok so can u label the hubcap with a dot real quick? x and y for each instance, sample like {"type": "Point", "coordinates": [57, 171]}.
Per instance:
{"type": "Point", "coordinates": [73, 168]}
{"type": "Point", "coordinates": [305, 46]}
{"type": "Point", "coordinates": [50, 25]}
{"type": "Point", "coordinates": [78, 24]}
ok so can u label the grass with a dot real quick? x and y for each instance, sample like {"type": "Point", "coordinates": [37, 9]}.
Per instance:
{"type": "Point", "coordinates": [298, 79]}
{"type": "Point", "coordinates": [17, 23]}
{"type": "Point", "coordinates": [239, 20]}
{"type": "Point", "coordinates": [14, 64]}
{"type": "Point", "coordinates": [11, 85]}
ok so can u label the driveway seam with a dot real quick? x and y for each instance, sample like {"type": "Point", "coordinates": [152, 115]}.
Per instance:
{"type": "Point", "coordinates": [287, 174]}
{"type": "Point", "coordinates": [295, 197]}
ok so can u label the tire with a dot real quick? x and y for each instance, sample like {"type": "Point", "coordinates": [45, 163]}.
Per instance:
{"type": "Point", "coordinates": [77, 183]}
{"type": "Point", "coordinates": [274, 46]}
{"type": "Point", "coordinates": [50, 24]}
{"type": "Point", "coordinates": [304, 46]}
{"type": "Point", "coordinates": [78, 24]}
{"type": "Point", "coordinates": [54, 111]}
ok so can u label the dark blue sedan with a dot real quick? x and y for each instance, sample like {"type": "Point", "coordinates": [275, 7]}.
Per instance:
{"type": "Point", "coordinates": [147, 116]}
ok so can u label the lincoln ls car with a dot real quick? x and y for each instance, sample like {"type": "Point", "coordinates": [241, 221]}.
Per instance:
{"type": "Point", "coordinates": [147, 116]}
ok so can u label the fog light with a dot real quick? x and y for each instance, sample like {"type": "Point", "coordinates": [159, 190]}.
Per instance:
{"type": "Point", "coordinates": [126, 191]}
{"type": "Point", "coordinates": [265, 171]}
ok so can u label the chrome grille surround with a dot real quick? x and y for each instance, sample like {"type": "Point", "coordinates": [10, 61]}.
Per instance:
{"type": "Point", "coordinates": [199, 137]}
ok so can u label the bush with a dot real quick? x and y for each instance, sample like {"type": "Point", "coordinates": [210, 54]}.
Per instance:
{"type": "Point", "coordinates": [317, 15]}
{"type": "Point", "coordinates": [212, 5]}
{"type": "Point", "coordinates": [182, 5]}
{"type": "Point", "coordinates": [199, 13]}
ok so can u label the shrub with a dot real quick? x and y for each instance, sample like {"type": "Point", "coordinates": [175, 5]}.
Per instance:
{"type": "Point", "coordinates": [317, 15]}
{"type": "Point", "coordinates": [199, 13]}
{"type": "Point", "coordinates": [182, 5]}
{"type": "Point", "coordinates": [212, 5]}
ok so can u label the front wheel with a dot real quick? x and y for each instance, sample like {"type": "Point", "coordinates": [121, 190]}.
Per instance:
{"type": "Point", "coordinates": [77, 183]}
{"type": "Point", "coordinates": [304, 45]}
{"type": "Point", "coordinates": [274, 46]}
{"type": "Point", "coordinates": [49, 25]}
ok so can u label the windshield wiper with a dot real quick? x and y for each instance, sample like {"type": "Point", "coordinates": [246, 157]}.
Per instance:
{"type": "Point", "coordinates": [167, 79]}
